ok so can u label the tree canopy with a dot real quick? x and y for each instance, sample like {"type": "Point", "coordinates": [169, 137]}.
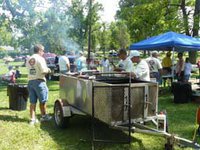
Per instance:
{"type": "Point", "coordinates": [63, 25]}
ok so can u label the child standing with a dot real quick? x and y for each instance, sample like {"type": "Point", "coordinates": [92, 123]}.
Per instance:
{"type": "Point", "coordinates": [187, 70]}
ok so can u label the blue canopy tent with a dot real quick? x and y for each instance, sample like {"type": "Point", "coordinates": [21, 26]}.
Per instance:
{"type": "Point", "coordinates": [170, 41]}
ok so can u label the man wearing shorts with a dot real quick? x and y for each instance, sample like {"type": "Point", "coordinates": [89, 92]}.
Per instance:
{"type": "Point", "coordinates": [38, 90]}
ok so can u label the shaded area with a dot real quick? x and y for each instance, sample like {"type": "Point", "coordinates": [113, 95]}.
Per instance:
{"type": "Point", "coordinates": [80, 129]}
{"type": "Point", "coordinates": [12, 118]}
{"type": "Point", "coordinates": [4, 108]}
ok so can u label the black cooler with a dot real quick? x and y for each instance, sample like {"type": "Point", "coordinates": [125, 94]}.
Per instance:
{"type": "Point", "coordinates": [182, 92]}
{"type": "Point", "coordinates": [18, 95]}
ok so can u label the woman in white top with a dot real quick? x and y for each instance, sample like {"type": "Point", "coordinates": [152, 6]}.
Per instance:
{"type": "Point", "coordinates": [187, 70]}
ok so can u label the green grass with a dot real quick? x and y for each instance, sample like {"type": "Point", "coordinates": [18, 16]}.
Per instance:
{"type": "Point", "coordinates": [17, 134]}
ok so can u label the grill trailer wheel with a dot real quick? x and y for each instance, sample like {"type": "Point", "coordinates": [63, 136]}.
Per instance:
{"type": "Point", "coordinates": [60, 120]}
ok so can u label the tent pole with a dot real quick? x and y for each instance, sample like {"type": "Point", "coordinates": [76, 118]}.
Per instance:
{"type": "Point", "coordinates": [173, 49]}
{"type": "Point", "coordinates": [173, 61]}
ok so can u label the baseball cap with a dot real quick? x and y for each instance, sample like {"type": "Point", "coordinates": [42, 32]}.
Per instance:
{"type": "Point", "coordinates": [134, 53]}
{"type": "Point", "coordinates": [81, 52]}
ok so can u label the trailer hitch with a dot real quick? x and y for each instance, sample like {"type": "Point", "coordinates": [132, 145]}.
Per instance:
{"type": "Point", "coordinates": [171, 138]}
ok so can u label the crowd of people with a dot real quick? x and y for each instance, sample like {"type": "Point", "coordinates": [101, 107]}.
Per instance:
{"type": "Point", "coordinates": [152, 67]}
{"type": "Point", "coordinates": [181, 69]}
{"type": "Point", "coordinates": [129, 63]}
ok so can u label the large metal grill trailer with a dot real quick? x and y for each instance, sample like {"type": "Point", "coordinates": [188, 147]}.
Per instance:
{"type": "Point", "coordinates": [120, 102]}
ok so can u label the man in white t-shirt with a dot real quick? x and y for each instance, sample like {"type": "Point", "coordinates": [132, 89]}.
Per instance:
{"type": "Point", "coordinates": [37, 87]}
{"type": "Point", "coordinates": [154, 66]}
{"type": "Point", "coordinates": [125, 63]}
{"type": "Point", "coordinates": [64, 64]}
{"type": "Point", "coordinates": [141, 69]}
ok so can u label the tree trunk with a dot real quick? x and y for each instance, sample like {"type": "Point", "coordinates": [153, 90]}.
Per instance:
{"type": "Point", "coordinates": [193, 55]}
{"type": "Point", "coordinates": [185, 17]}
{"type": "Point", "coordinates": [196, 18]}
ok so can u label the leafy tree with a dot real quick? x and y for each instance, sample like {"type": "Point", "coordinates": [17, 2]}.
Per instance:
{"type": "Point", "coordinates": [6, 35]}
{"type": "Point", "coordinates": [59, 26]}
{"type": "Point", "coordinates": [78, 31]}
{"type": "Point", "coordinates": [92, 24]}
{"type": "Point", "coordinates": [23, 20]}
{"type": "Point", "coordinates": [195, 30]}
{"type": "Point", "coordinates": [145, 18]}
{"type": "Point", "coordinates": [120, 37]}
{"type": "Point", "coordinates": [104, 37]}
{"type": "Point", "coordinates": [5, 29]}
{"type": "Point", "coordinates": [187, 7]}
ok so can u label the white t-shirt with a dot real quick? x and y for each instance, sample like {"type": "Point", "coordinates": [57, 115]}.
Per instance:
{"type": "Point", "coordinates": [63, 61]}
{"type": "Point", "coordinates": [37, 67]}
{"type": "Point", "coordinates": [142, 70]}
{"type": "Point", "coordinates": [187, 68]}
{"type": "Point", "coordinates": [126, 65]}
{"type": "Point", "coordinates": [105, 65]}
{"type": "Point", "coordinates": [154, 64]}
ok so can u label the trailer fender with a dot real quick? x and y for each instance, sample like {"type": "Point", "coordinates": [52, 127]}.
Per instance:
{"type": "Point", "coordinates": [66, 109]}
{"type": "Point", "coordinates": [62, 114]}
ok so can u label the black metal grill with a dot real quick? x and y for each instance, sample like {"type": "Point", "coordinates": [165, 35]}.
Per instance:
{"type": "Point", "coordinates": [116, 80]}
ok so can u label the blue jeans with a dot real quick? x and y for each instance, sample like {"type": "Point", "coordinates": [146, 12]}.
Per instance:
{"type": "Point", "coordinates": [186, 77]}
{"type": "Point", "coordinates": [37, 90]}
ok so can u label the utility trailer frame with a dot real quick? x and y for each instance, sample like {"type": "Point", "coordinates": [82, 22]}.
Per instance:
{"type": "Point", "coordinates": [127, 105]}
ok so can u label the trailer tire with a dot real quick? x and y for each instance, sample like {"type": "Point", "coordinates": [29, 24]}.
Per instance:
{"type": "Point", "coordinates": [60, 120]}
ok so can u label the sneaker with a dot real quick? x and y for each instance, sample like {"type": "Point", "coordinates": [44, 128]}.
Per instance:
{"type": "Point", "coordinates": [33, 121]}
{"type": "Point", "coordinates": [45, 118]}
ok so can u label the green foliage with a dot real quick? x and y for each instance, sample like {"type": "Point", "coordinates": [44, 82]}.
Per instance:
{"type": "Point", "coordinates": [104, 38]}
{"type": "Point", "coordinates": [59, 26]}
{"type": "Point", "coordinates": [64, 26]}
{"type": "Point", "coordinates": [120, 35]}
{"type": "Point", "coordinates": [6, 35]}
{"type": "Point", "coordinates": [147, 18]}
{"type": "Point", "coordinates": [78, 30]}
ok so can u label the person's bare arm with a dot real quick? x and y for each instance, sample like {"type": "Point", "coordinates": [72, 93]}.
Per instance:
{"type": "Point", "coordinates": [68, 66]}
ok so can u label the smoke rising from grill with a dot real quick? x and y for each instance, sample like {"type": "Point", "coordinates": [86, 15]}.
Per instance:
{"type": "Point", "coordinates": [58, 25]}
{"type": "Point", "coordinates": [63, 28]}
